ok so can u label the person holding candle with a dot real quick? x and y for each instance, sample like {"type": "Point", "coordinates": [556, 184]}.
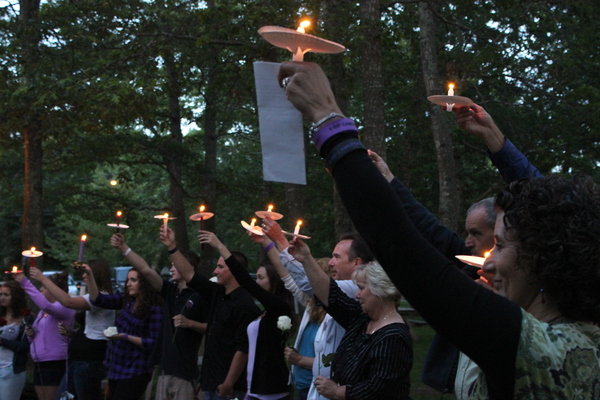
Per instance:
{"type": "Point", "coordinates": [14, 345]}
{"type": "Point", "coordinates": [267, 372]}
{"type": "Point", "coordinates": [302, 355]}
{"type": "Point", "coordinates": [543, 334]}
{"type": "Point", "coordinates": [183, 328]}
{"type": "Point", "coordinates": [129, 353]}
{"type": "Point", "coordinates": [231, 309]}
{"type": "Point", "coordinates": [48, 347]}
{"type": "Point", "coordinates": [374, 358]}
{"type": "Point", "coordinates": [87, 347]}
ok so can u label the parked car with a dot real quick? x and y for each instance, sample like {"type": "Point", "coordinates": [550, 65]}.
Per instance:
{"type": "Point", "coordinates": [74, 286]}
{"type": "Point", "coordinates": [119, 278]}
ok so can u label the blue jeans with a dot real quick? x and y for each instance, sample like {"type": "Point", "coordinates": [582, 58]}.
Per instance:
{"type": "Point", "coordinates": [213, 395]}
{"type": "Point", "coordinates": [11, 385]}
{"type": "Point", "coordinates": [84, 380]}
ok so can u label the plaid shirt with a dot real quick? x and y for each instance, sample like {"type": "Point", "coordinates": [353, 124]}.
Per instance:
{"type": "Point", "coordinates": [124, 359]}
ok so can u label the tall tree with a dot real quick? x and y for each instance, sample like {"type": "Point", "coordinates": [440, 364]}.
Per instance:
{"type": "Point", "coordinates": [449, 204]}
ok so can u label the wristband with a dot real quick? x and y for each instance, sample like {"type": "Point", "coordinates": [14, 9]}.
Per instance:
{"type": "Point", "coordinates": [125, 337]}
{"type": "Point", "coordinates": [174, 250]}
{"type": "Point", "coordinates": [127, 251]}
{"type": "Point", "coordinates": [341, 150]}
{"type": "Point", "coordinates": [318, 124]}
{"type": "Point", "coordinates": [269, 247]}
{"type": "Point", "coordinates": [331, 129]}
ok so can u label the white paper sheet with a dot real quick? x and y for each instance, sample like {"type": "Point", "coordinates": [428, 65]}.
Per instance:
{"type": "Point", "coordinates": [280, 124]}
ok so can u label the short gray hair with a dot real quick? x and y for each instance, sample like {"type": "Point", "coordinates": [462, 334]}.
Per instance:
{"type": "Point", "coordinates": [379, 282]}
{"type": "Point", "coordinates": [490, 211]}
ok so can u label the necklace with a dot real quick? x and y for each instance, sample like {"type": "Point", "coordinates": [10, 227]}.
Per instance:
{"type": "Point", "coordinates": [384, 318]}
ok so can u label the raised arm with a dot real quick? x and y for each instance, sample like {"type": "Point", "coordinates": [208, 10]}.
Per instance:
{"type": "Point", "coordinates": [138, 263]}
{"type": "Point", "coordinates": [92, 287]}
{"type": "Point", "coordinates": [318, 279]}
{"type": "Point", "coordinates": [55, 309]}
{"type": "Point", "coordinates": [185, 269]}
{"type": "Point", "coordinates": [511, 163]}
{"type": "Point", "coordinates": [74, 303]}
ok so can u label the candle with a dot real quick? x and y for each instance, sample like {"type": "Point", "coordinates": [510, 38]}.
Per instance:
{"type": "Point", "coordinates": [166, 221]}
{"type": "Point", "coordinates": [252, 222]}
{"type": "Point", "coordinates": [32, 259]}
{"type": "Point", "coordinates": [303, 24]}
{"type": "Point", "coordinates": [201, 217]}
{"type": "Point", "coordinates": [297, 228]}
{"type": "Point", "coordinates": [81, 245]}
{"type": "Point", "coordinates": [119, 213]}
{"type": "Point", "coordinates": [14, 270]}
{"type": "Point", "coordinates": [270, 208]}
{"type": "Point", "coordinates": [451, 90]}
{"type": "Point", "coordinates": [486, 255]}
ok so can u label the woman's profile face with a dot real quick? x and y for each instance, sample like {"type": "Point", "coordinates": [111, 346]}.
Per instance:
{"type": "Point", "coordinates": [509, 280]}
{"type": "Point", "coordinates": [263, 279]}
{"type": "Point", "coordinates": [5, 296]}
{"type": "Point", "coordinates": [368, 301]}
{"type": "Point", "coordinates": [133, 283]}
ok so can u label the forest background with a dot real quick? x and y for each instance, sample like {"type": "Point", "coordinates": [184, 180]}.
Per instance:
{"type": "Point", "coordinates": [159, 96]}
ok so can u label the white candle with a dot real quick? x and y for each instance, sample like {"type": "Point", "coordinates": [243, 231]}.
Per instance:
{"type": "Point", "coordinates": [252, 222]}
{"type": "Point", "coordinates": [303, 24]}
{"type": "Point", "coordinates": [166, 221]}
{"type": "Point", "coordinates": [451, 90]}
{"type": "Point", "coordinates": [297, 228]}
{"type": "Point", "coordinates": [270, 208]}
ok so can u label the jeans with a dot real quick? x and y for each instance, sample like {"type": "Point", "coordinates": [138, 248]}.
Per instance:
{"type": "Point", "coordinates": [11, 385]}
{"type": "Point", "coordinates": [84, 380]}
{"type": "Point", "coordinates": [213, 395]}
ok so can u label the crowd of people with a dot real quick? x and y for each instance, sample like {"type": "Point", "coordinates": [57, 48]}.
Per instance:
{"type": "Point", "coordinates": [524, 325]}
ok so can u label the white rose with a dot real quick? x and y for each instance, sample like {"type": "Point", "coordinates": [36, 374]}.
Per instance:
{"type": "Point", "coordinates": [214, 279]}
{"type": "Point", "coordinates": [110, 331]}
{"type": "Point", "coordinates": [284, 323]}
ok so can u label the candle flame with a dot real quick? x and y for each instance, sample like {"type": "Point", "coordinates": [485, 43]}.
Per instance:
{"type": "Point", "coordinates": [253, 222]}
{"type": "Point", "coordinates": [119, 213]}
{"type": "Point", "coordinates": [202, 209]}
{"type": "Point", "coordinates": [451, 86]}
{"type": "Point", "coordinates": [32, 250]}
{"type": "Point", "coordinates": [303, 24]}
{"type": "Point", "coordinates": [14, 269]}
{"type": "Point", "coordinates": [83, 237]}
{"type": "Point", "coordinates": [113, 183]}
{"type": "Point", "coordinates": [166, 216]}
{"type": "Point", "coordinates": [270, 208]}
{"type": "Point", "coordinates": [486, 255]}
{"type": "Point", "coordinates": [299, 222]}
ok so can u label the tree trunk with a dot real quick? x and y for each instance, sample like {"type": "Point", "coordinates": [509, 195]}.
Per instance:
{"type": "Point", "coordinates": [449, 195]}
{"type": "Point", "coordinates": [174, 166]}
{"type": "Point", "coordinates": [32, 234]}
{"type": "Point", "coordinates": [373, 135]}
{"type": "Point", "coordinates": [335, 15]}
{"type": "Point", "coordinates": [209, 124]}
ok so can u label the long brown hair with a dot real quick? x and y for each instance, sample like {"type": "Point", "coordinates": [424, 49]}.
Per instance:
{"type": "Point", "coordinates": [147, 297]}
{"type": "Point", "coordinates": [18, 302]}
{"type": "Point", "coordinates": [101, 271]}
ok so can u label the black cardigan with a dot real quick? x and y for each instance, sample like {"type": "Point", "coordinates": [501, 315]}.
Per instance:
{"type": "Point", "coordinates": [270, 374]}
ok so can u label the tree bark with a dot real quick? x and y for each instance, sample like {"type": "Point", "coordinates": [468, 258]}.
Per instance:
{"type": "Point", "coordinates": [174, 166]}
{"type": "Point", "coordinates": [449, 195]}
{"type": "Point", "coordinates": [32, 234]}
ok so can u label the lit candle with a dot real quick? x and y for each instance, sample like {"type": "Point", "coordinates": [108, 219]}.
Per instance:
{"type": "Point", "coordinates": [119, 213]}
{"type": "Point", "coordinates": [270, 208]}
{"type": "Point", "coordinates": [201, 217]}
{"type": "Point", "coordinates": [297, 228]}
{"type": "Point", "coordinates": [252, 222]}
{"type": "Point", "coordinates": [81, 246]}
{"type": "Point", "coordinates": [303, 24]}
{"type": "Point", "coordinates": [14, 270]}
{"type": "Point", "coordinates": [486, 255]}
{"type": "Point", "coordinates": [451, 90]}
{"type": "Point", "coordinates": [32, 259]}
{"type": "Point", "coordinates": [166, 221]}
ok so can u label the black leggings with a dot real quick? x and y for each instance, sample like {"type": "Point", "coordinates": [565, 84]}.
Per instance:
{"type": "Point", "coordinates": [128, 389]}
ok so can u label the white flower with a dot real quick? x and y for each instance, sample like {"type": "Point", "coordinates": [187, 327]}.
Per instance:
{"type": "Point", "coordinates": [284, 323]}
{"type": "Point", "coordinates": [110, 331]}
{"type": "Point", "coordinates": [214, 279]}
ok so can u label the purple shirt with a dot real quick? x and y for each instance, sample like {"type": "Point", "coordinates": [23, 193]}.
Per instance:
{"type": "Point", "coordinates": [124, 359]}
{"type": "Point", "coordinates": [47, 344]}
